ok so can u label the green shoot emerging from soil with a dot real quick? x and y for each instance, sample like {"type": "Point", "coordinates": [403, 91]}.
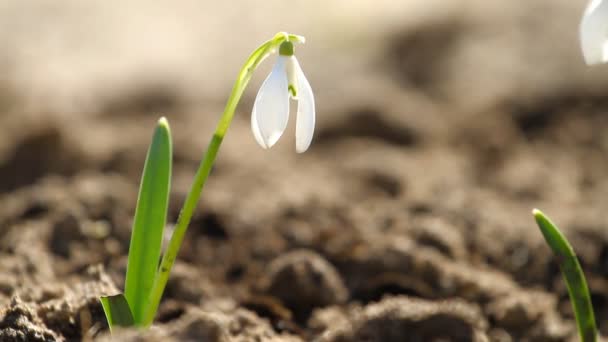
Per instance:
{"type": "Point", "coordinates": [145, 280]}
{"type": "Point", "coordinates": [147, 233]}
{"type": "Point", "coordinates": [573, 275]}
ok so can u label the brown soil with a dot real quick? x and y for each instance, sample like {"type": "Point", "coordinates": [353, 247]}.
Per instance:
{"type": "Point", "coordinates": [407, 220]}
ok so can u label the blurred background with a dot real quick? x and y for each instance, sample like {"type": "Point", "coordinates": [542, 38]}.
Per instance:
{"type": "Point", "coordinates": [440, 125]}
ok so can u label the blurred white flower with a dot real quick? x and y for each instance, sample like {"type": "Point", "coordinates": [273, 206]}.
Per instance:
{"type": "Point", "coordinates": [271, 108]}
{"type": "Point", "coordinates": [594, 32]}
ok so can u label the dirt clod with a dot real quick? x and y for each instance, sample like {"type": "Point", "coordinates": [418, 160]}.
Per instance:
{"type": "Point", "coordinates": [21, 323]}
{"type": "Point", "coordinates": [304, 280]}
{"type": "Point", "coordinates": [408, 319]}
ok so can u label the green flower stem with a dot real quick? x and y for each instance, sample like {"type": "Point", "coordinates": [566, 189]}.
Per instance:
{"type": "Point", "coordinates": [573, 275]}
{"type": "Point", "coordinates": [205, 166]}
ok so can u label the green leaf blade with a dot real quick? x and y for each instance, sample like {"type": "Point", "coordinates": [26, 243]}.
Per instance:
{"type": "Point", "coordinates": [117, 311]}
{"type": "Point", "coordinates": [573, 275]}
{"type": "Point", "coordinates": [149, 221]}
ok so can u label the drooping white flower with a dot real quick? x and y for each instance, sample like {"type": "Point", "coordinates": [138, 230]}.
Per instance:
{"type": "Point", "coordinates": [271, 107]}
{"type": "Point", "coordinates": [594, 32]}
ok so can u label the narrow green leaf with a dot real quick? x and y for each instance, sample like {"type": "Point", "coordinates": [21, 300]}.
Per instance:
{"type": "Point", "coordinates": [117, 311]}
{"type": "Point", "coordinates": [573, 275]}
{"type": "Point", "coordinates": [149, 221]}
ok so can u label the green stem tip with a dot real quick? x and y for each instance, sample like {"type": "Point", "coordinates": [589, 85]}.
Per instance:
{"type": "Point", "coordinates": [573, 275]}
{"type": "Point", "coordinates": [162, 122]}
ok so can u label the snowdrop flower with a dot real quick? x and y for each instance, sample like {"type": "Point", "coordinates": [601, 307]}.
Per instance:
{"type": "Point", "coordinates": [594, 32]}
{"type": "Point", "coordinates": [271, 108]}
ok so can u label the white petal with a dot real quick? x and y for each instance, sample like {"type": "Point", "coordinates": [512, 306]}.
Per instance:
{"type": "Point", "coordinates": [305, 122]}
{"type": "Point", "coordinates": [271, 107]}
{"type": "Point", "coordinates": [594, 31]}
{"type": "Point", "coordinates": [256, 130]}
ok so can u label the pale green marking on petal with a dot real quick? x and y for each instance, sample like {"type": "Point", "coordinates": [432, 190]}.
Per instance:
{"type": "Point", "coordinates": [293, 91]}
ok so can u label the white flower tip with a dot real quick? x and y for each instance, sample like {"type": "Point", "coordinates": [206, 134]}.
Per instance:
{"type": "Point", "coordinates": [272, 139]}
{"type": "Point", "coordinates": [594, 52]}
{"type": "Point", "coordinates": [264, 142]}
{"type": "Point", "coordinates": [594, 32]}
{"type": "Point", "coordinates": [255, 128]}
{"type": "Point", "coordinates": [589, 60]}
{"type": "Point", "coordinates": [302, 149]}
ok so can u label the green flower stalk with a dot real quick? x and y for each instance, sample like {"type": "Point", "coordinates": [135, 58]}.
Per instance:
{"type": "Point", "coordinates": [254, 60]}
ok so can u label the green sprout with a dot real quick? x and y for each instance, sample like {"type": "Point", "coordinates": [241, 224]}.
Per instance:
{"type": "Point", "coordinates": [573, 275]}
{"type": "Point", "coordinates": [145, 279]}
{"type": "Point", "coordinates": [146, 236]}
